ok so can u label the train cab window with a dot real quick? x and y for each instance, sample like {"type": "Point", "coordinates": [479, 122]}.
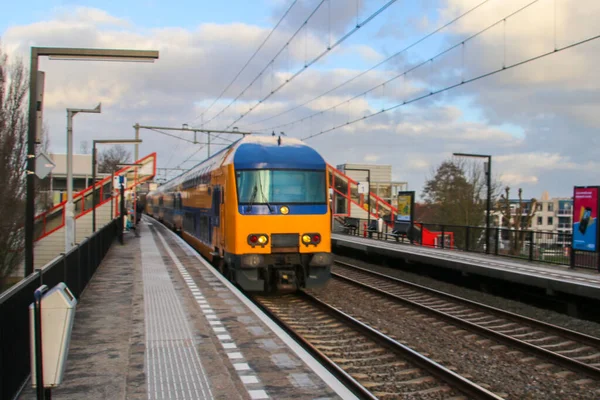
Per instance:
{"type": "Point", "coordinates": [281, 186]}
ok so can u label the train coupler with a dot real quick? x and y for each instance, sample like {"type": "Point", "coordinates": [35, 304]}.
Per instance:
{"type": "Point", "coordinates": [286, 281]}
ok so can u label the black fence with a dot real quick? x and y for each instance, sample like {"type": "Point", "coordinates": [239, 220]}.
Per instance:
{"type": "Point", "coordinates": [530, 245]}
{"type": "Point", "coordinates": [75, 269]}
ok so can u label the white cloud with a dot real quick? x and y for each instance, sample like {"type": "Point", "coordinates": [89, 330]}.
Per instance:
{"type": "Point", "coordinates": [518, 179]}
{"type": "Point", "coordinates": [551, 101]}
{"type": "Point", "coordinates": [371, 158]}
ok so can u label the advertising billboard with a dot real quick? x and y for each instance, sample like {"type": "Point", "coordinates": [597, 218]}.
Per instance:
{"type": "Point", "coordinates": [406, 201]}
{"type": "Point", "coordinates": [585, 218]}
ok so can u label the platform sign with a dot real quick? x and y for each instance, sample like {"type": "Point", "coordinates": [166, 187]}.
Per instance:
{"type": "Point", "coordinates": [406, 205]}
{"type": "Point", "coordinates": [363, 187]}
{"type": "Point", "coordinates": [43, 165]}
{"type": "Point", "coordinates": [585, 218]}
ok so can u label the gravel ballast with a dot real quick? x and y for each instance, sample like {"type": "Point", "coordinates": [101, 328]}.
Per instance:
{"type": "Point", "coordinates": [508, 373]}
{"type": "Point", "coordinates": [579, 325]}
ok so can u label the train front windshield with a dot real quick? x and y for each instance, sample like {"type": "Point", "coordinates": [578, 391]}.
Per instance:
{"type": "Point", "coordinates": [281, 187]}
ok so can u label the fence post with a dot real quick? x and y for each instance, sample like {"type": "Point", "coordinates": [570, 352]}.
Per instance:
{"type": "Point", "coordinates": [90, 261]}
{"type": "Point", "coordinates": [64, 256]}
{"type": "Point", "coordinates": [468, 238]}
{"type": "Point", "coordinates": [571, 257]}
{"type": "Point", "coordinates": [531, 246]}
{"type": "Point", "coordinates": [79, 271]}
{"type": "Point", "coordinates": [443, 235]}
{"type": "Point", "coordinates": [497, 240]}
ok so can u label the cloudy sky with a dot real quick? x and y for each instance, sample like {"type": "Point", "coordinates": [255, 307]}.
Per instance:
{"type": "Point", "coordinates": [538, 120]}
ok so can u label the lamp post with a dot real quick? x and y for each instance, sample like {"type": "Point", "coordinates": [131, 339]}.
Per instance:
{"type": "Point", "coordinates": [94, 160]}
{"type": "Point", "coordinates": [368, 171]}
{"type": "Point", "coordinates": [32, 130]}
{"type": "Point", "coordinates": [70, 207]}
{"type": "Point", "coordinates": [489, 194]}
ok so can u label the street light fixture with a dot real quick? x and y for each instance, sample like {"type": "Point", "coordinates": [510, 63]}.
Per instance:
{"type": "Point", "coordinates": [94, 143]}
{"type": "Point", "coordinates": [58, 53]}
{"type": "Point", "coordinates": [70, 207]}
{"type": "Point", "coordinates": [489, 194]}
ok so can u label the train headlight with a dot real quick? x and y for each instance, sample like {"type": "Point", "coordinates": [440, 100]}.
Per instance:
{"type": "Point", "coordinates": [311, 238]}
{"type": "Point", "coordinates": [284, 210]}
{"type": "Point", "coordinates": [258, 239]}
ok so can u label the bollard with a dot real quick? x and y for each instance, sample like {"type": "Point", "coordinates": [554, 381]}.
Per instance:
{"type": "Point", "coordinates": [37, 316]}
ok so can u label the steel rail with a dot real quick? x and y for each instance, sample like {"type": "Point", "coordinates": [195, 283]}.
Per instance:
{"type": "Point", "coordinates": [567, 333]}
{"type": "Point", "coordinates": [442, 373]}
{"type": "Point", "coordinates": [556, 358]}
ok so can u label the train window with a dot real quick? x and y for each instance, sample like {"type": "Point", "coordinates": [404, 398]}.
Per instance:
{"type": "Point", "coordinates": [281, 186]}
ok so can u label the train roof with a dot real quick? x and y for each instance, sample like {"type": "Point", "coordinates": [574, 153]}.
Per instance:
{"type": "Point", "coordinates": [271, 152]}
{"type": "Point", "coordinates": [257, 152]}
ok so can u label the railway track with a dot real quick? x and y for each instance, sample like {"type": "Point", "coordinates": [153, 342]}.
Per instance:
{"type": "Point", "coordinates": [569, 349]}
{"type": "Point", "coordinates": [370, 363]}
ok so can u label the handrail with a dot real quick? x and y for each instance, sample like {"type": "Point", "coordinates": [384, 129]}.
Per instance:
{"type": "Point", "coordinates": [377, 198]}
{"type": "Point", "coordinates": [81, 195]}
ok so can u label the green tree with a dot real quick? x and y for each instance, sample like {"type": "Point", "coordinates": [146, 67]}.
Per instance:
{"type": "Point", "coordinates": [455, 195]}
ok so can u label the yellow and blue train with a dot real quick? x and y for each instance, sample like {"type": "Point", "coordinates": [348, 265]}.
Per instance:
{"type": "Point", "coordinates": [258, 209]}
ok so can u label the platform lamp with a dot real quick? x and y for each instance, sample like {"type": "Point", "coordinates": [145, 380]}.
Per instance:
{"type": "Point", "coordinates": [94, 161]}
{"type": "Point", "coordinates": [35, 107]}
{"type": "Point", "coordinates": [489, 193]}
{"type": "Point", "coordinates": [70, 207]}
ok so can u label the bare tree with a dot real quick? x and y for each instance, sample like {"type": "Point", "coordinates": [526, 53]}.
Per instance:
{"type": "Point", "coordinates": [457, 193]}
{"type": "Point", "coordinates": [519, 220]}
{"type": "Point", "coordinates": [13, 146]}
{"type": "Point", "coordinates": [110, 158]}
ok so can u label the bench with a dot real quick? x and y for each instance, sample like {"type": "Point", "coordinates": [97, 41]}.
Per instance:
{"type": "Point", "coordinates": [351, 225]}
{"type": "Point", "coordinates": [372, 228]}
{"type": "Point", "coordinates": [401, 229]}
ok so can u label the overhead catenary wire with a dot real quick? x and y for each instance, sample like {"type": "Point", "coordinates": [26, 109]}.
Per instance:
{"type": "Point", "coordinates": [432, 93]}
{"type": "Point", "coordinates": [268, 64]}
{"type": "Point", "coordinates": [373, 67]}
{"type": "Point", "coordinates": [247, 62]}
{"type": "Point", "coordinates": [407, 71]}
{"type": "Point", "coordinates": [317, 58]}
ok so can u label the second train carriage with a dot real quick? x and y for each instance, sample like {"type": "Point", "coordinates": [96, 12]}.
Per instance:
{"type": "Point", "coordinates": [258, 209]}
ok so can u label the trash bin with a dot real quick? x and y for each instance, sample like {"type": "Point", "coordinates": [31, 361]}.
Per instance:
{"type": "Point", "coordinates": [57, 312]}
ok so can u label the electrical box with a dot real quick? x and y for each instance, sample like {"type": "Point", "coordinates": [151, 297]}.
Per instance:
{"type": "Point", "coordinates": [58, 312]}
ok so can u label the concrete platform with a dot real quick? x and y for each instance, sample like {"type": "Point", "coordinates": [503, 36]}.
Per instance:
{"type": "Point", "coordinates": [158, 322]}
{"type": "Point", "coordinates": [551, 278]}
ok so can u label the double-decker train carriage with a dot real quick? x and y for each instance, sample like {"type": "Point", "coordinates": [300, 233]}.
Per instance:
{"type": "Point", "coordinates": [258, 210]}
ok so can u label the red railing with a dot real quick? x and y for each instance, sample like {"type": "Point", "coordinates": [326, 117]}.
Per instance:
{"type": "Point", "coordinates": [379, 204]}
{"type": "Point", "coordinates": [50, 221]}
{"type": "Point", "coordinates": [382, 207]}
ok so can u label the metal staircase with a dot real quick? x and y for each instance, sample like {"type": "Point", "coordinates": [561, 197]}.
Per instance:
{"type": "Point", "coordinates": [49, 234]}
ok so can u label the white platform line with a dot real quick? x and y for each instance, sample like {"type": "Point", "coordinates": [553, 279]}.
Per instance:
{"type": "Point", "coordinates": [216, 324]}
{"type": "Point", "coordinates": [313, 364]}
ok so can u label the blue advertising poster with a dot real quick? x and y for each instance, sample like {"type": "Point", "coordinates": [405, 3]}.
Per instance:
{"type": "Point", "coordinates": [585, 218]}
